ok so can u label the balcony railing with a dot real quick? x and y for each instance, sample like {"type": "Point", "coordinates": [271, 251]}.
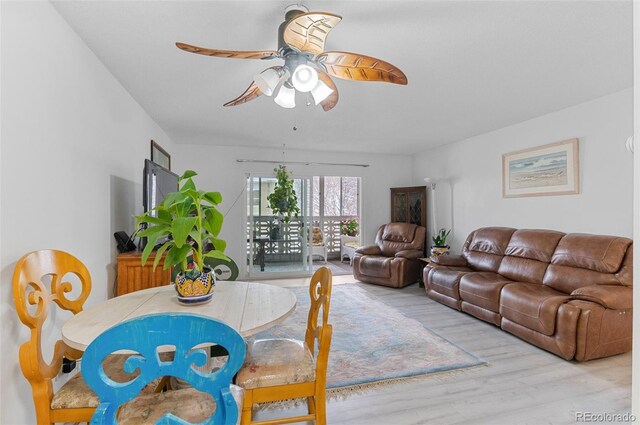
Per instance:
{"type": "Point", "coordinates": [289, 245]}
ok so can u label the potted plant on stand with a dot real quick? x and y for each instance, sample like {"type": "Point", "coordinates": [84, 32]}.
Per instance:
{"type": "Point", "coordinates": [283, 200]}
{"type": "Point", "coordinates": [349, 227]}
{"type": "Point", "coordinates": [187, 224]}
{"type": "Point", "coordinates": [440, 246]}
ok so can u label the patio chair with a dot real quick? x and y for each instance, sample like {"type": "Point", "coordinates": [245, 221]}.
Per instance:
{"type": "Point", "coordinates": [210, 400]}
{"type": "Point", "coordinates": [281, 369]}
{"type": "Point", "coordinates": [318, 243]}
{"type": "Point", "coordinates": [74, 401]}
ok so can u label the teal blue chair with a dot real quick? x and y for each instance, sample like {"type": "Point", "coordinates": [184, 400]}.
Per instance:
{"type": "Point", "coordinates": [209, 401]}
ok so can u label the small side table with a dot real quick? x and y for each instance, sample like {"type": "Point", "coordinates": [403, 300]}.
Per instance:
{"type": "Point", "coordinates": [348, 246]}
{"type": "Point", "coordinates": [426, 261]}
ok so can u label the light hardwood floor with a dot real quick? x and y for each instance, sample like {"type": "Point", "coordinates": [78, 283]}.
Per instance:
{"type": "Point", "coordinates": [521, 384]}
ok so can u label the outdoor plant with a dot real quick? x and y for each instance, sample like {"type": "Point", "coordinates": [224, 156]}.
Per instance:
{"type": "Point", "coordinates": [283, 200]}
{"type": "Point", "coordinates": [349, 227]}
{"type": "Point", "coordinates": [191, 222]}
{"type": "Point", "coordinates": [440, 239]}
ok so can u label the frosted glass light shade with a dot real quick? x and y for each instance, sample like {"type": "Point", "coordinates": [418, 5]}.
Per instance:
{"type": "Point", "coordinates": [286, 97]}
{"type": "Point", "coordinates": [320, 92]}
{"type": "Point", "coordinates": [304, 78]}
{"type": "Point", "coordinates": [267, 81]}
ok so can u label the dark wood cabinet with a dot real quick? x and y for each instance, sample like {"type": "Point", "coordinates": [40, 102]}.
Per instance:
{"type": "Point", "coordinates": [409, 205]}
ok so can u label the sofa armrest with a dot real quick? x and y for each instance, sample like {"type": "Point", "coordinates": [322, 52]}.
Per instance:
{"type": "Point", "coordinates": [410, 253]}
{"type": "Point", "coordinates": [616, 297]}
{"type": "Point", "coordinates": [369, 250]}
{"type": "Point", "coordinates": [449, 260]}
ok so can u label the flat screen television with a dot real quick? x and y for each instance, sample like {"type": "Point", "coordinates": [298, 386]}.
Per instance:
{"type": "Point", "coordinates": [157, 183]}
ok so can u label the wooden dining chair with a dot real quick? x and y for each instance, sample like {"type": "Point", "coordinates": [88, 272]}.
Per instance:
{"type": "Point", "coordinates": [74, 401]}
{"type": "Point", "coordinates": [33, 301]}
{"type": "Point", "coordinates": [281, 369]}
{"type": "Point", "coordinates": [209, 400]}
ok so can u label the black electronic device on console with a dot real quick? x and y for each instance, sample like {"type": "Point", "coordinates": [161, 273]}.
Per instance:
{"type": "Point", "coordinates": [125, 243]}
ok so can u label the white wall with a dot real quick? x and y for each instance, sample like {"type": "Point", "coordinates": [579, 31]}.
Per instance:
{"type": "Point", "coordinates": [635, 387]}
{"type": "Point", "coordinates": [218, 170]}
{"type": "Point", "coordinates": [471, 197]}
{"type": "Point", "coordinates": [73, 143]}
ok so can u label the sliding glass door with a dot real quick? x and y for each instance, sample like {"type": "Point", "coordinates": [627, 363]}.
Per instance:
{"type": "Point", "coordinates": [274, 246]}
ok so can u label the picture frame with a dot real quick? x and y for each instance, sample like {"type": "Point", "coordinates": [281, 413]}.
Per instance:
{"type": "Point", "coordinates": [160, 156]}
{"type": "Point", "coordinates": [545, 170]}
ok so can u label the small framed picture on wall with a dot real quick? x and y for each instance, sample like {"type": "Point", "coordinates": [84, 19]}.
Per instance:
{"type": "Point", "coordinates": [160, 156]}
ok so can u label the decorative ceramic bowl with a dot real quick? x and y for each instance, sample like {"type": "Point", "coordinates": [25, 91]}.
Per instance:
{"type": "Point", "coordinates": [195, 289]}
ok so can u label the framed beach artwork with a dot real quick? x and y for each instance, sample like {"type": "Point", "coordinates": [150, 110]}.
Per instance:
{"type": "Point", "coordinates": [544, 170]}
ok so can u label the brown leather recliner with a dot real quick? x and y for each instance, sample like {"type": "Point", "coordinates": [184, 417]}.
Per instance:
{"type": "Point", "coordinates": [569, 294]}
{"type": "Point", "coordinates": [393, 260]}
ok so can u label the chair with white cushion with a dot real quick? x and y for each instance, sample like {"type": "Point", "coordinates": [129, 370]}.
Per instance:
{"type": "Point", "coordinates": [318, 244]}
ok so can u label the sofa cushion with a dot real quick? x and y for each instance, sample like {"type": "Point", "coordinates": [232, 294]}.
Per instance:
{"type": "Point", "coordinates": [568, 279]}
{"type": "Point", "coordinates": [594, 252]}
{"type": "Point", "coordinates": [485, 247]}
{"type": "Point", "coordinates": [483, 289]}
{"type": "Point", "coordinates": [375, 266]}
{"type": "Point", "coordinates": [399, 232]}
{"type": "Point", "coordinates": [522, 269]}
{"type": "Point", "coordinates": [532, 305]}
{"type": "Point", "coordinates": [534, 244]}
{"type": "Point", "coordinates": [446, 281]}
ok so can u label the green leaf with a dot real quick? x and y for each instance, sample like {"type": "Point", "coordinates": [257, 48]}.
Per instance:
{"type": "Point", "coordinates": [213, 221]}
{"type": "Point", "coordinates": [159, 253]}
{"type": "Point", "coordinates": [157, 220]}
{"type": "Point", "coordinates": [219, 244]}
{"type": "Point", "coordinates": [185, 208]}
{"type": "Point", "coordinates": [217, 254]}
{"type": "Point", "coordinates": [154, 232]}
{"type": "Point", "coordinates": [188, 174]}
{"type": "Point", "coordinates": [180, 229]}
{"type": "Point", "coordinates": [213, 197]}
{"type": "Point", "coordinates": [188, 185]}
{"type": "Point", "coordinates": [176, 255]}
{"type": "Point", "coordinates": [148, 249]}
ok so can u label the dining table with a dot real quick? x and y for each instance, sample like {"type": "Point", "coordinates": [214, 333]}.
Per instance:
{"type": "Point", "coordinates": [248, 307]}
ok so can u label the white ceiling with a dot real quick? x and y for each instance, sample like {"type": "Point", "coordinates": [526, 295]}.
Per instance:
{"type": "Point", "coordinates": [473, 66]}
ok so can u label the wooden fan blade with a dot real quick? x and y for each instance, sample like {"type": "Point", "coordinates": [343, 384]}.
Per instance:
{"type": "Point", "coordinates": [237, 54]}
{"type": "Point", "coordinates": [353, 66]}
{"type": "Point", "coordinates": [307, 32]}
{"type": "Point", "coordinates": [332, 99]}
{"type": "Point", "coordinates": [250, 93]}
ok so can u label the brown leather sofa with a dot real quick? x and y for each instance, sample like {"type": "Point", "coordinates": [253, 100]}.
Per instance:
{"type": "Point", "coordinates": [393, 260]}
{"type": "Point", "coordinates": [570, 294]}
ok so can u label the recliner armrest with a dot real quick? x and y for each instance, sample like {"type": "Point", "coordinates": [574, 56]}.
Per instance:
{"type": "Point", "coordinates": [410, 253]}
{"type": "Point", "coordinates": [449, 260]}
{"type": "Point", "coordinates": [616, 297]}
{"type": "Point", "coordinates": [369, 250]}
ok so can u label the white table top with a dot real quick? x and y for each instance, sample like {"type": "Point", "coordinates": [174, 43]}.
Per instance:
{"type": "Point", "coordinates": [247, 307]}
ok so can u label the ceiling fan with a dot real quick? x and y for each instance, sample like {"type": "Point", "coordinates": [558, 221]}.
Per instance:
{"type": "Point", "coordinates": [307, 67]}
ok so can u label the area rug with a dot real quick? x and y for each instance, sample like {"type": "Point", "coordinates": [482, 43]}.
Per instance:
{"type": "Point", "coordinates": [373, 343]}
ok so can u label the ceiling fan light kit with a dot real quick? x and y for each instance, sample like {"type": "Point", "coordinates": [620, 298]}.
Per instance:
{"type": "Point", "coordinates": [286, 97]}
{"type": "Point", "coordinates": [307, 67]}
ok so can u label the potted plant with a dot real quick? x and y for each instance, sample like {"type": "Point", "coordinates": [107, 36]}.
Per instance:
{"type": "Point", "coordinates": [283, 200]}
{"type": "Point", "coordinates": [440, 246]}
{"type": "Point", "coordinates": [187, 223]}
{"type": "Point", "coordinates": [349, 227]}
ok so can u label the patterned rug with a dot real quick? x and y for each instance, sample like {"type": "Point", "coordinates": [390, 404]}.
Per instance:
{"type": "Point", "coordinates": [373, 343]}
